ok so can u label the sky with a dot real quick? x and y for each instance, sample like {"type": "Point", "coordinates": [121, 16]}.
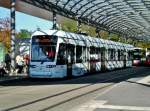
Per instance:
{"type": "Point", "coordinates": [24, 21]}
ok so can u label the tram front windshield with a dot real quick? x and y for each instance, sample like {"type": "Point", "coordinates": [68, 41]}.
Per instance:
{"type": "Point", "coordinates": [43, 48]}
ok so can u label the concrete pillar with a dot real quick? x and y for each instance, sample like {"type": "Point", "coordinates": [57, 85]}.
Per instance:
{"type": "Point", "coordinates": [13, 10]}
{"type": "Point", "coordinates": [54, 20]}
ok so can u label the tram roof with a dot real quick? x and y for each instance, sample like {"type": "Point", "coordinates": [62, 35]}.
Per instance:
{"type": "Point", "coordinates": [130, 18]}
{"type": "Point", "coordinates": [91, 40]}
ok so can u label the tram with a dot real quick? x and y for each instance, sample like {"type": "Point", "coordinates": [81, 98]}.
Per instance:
{"type": "Point", "coordinates": [59, 54]}
{"type": "Point", "coordinates": [139, 56]}
{"type": "Point", "coordinates": [147, 62]}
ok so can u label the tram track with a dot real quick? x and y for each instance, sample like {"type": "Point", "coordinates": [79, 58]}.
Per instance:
{"type": "Point", "coordinates": [89, 92]}
{"type": "Point", "coordinates": [78, 89]}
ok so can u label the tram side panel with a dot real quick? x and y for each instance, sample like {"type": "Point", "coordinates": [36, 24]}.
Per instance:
{"type": "Point", "coordinates": [80, 67]}
{"type": "Point", "coordinates": [74, 57]}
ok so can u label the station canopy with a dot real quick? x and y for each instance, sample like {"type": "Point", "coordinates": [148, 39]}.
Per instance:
{"type": "Point", "coordinates": [130, 18]}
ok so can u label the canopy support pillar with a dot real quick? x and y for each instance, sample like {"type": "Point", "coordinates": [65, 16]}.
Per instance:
{"type": "Point", "coordinates": [54, 20]}
{"type": "Point", "coordinates": [13, 38]}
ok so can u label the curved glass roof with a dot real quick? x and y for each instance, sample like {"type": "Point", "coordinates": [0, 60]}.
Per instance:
{"type": "Point", "coordinates": [127, 17]}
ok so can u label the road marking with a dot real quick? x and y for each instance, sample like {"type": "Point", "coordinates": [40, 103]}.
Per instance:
{"type": "Point", "coordinates": [146, 80]}
{"type": "Point", "coordinates": [111, 87]}
{"type": "Point", "coordinates": [132, 108]}
{"type": "Point", "coordinates": [92, 105]}
{"type": "Point", "coordinates": [87, 106]}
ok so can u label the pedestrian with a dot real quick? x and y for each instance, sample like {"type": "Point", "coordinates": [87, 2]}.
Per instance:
{"type": "Point", "coordinates": [26, 62]}
{"type": "Point", "coordinates": [19, 64]}
{"type": "Point", "coordinates": [2, 69]}
{"type": "Point", "coordinates": [8, 61]}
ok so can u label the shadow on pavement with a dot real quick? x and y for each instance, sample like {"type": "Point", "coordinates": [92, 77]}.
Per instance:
{"type": "Point", "coordinates": [107, 77]}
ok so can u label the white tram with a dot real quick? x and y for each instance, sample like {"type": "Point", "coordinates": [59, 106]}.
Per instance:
{"type": "Point", "coordinates": [59, 54]}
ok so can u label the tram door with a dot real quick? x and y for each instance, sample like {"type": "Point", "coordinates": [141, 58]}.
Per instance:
{"type": "Point", "coordinates": [92, 59]}
{"type": "Point", "coordinates": [103, 59]}
{"type": "Point", "coordinates": [70, 59]}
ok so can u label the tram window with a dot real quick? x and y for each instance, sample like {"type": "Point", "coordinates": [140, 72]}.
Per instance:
{"type": "Point", "coordinates": [84, 54]}
{"type": "Point", "coordinates": [43, 48]}
{"type": "Point", "coordinates": [119, 55]}
{"type": "Point", "coordinates": [98, 54]}
{"type": "Point", "coordinates": [129, 55]}
{"type": "Point", "coordinates": [103, 54]}
{"type": "Point", "coordinates": [111, 54]}
{"type": "Point", "coordinates": [93, 53]}
{"type": "Point", "coordinates": [92, 50]}
{"type": "Point", "coordinates": [61, 58]}
{"type": "Point", "coordinates": [78, 54]}
{"type": "Point", "coordinates": [122, 55]}
{"type": "Point", "coordinates": [88, 53]}
{"type": "Point", "coordinates": [116, 55]}
{"type": "Point", "coordinates": [70, 53]}
{"type": "Point", "coordinates": [114, 52]}
{"type": "Point", "coordinates": [97, 51]}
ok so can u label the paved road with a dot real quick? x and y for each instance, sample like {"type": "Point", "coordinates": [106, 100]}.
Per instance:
{"type": "Point", "coordinates": [69, 95]}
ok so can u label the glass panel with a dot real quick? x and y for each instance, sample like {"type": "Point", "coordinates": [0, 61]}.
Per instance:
{"type": "Point", "coordinates": [78, 54]}
{"type": "Point", "coordinates": [119, 55]}
{"type": "Point", "coordinates": [61, 58]}
{"type": "Point", "coordinates": [70, 53]}
{"type": "Point", "coordinates": [43, 48]}
{"type": "Point", "coordinates": [84, 54]}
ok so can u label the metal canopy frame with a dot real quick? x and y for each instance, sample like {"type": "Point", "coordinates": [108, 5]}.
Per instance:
{"type": "Point", "coordinates": [126, 17]}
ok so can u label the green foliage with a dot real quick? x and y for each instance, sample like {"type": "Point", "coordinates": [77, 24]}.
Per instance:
{"type": "Point", "coordinates": [68, 25]}
{"type": "Point", "coordinates": [114, 37]}
{"type": "Point", "coordinates": [24, 34]}
{"type": "Point", "coordinates": [142, 44]}
{"type": "Point", "coordinates": [71, 26]}
{"type": "Point", "coordinates": [89, 30]}
{"type": "Point", "coordinates": [104, 34]}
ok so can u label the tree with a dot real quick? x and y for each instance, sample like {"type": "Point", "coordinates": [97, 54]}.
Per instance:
{"type": "Point", "coordinates": [103, 34]}
{"type": "Point", "coordinates": [68, 25]}
{"type": "Point", "coordinates": [5, 32]}
{"type": "Point", "coordinates": [89, 30]}
{"type": "Point", "coordinates": [24, 34]}
{"type": "Point", "coordinates": [114, 37]}
{"type": "Point", "coordinates": [71, 26]}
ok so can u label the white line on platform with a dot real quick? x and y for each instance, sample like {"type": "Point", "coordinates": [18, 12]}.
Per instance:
{"type": "Point", "coordinates": [132, 108]}
{"type": "Point", "coordinates": [87, 106]}
{"type": "Point", "coordinates": [92, 105]}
